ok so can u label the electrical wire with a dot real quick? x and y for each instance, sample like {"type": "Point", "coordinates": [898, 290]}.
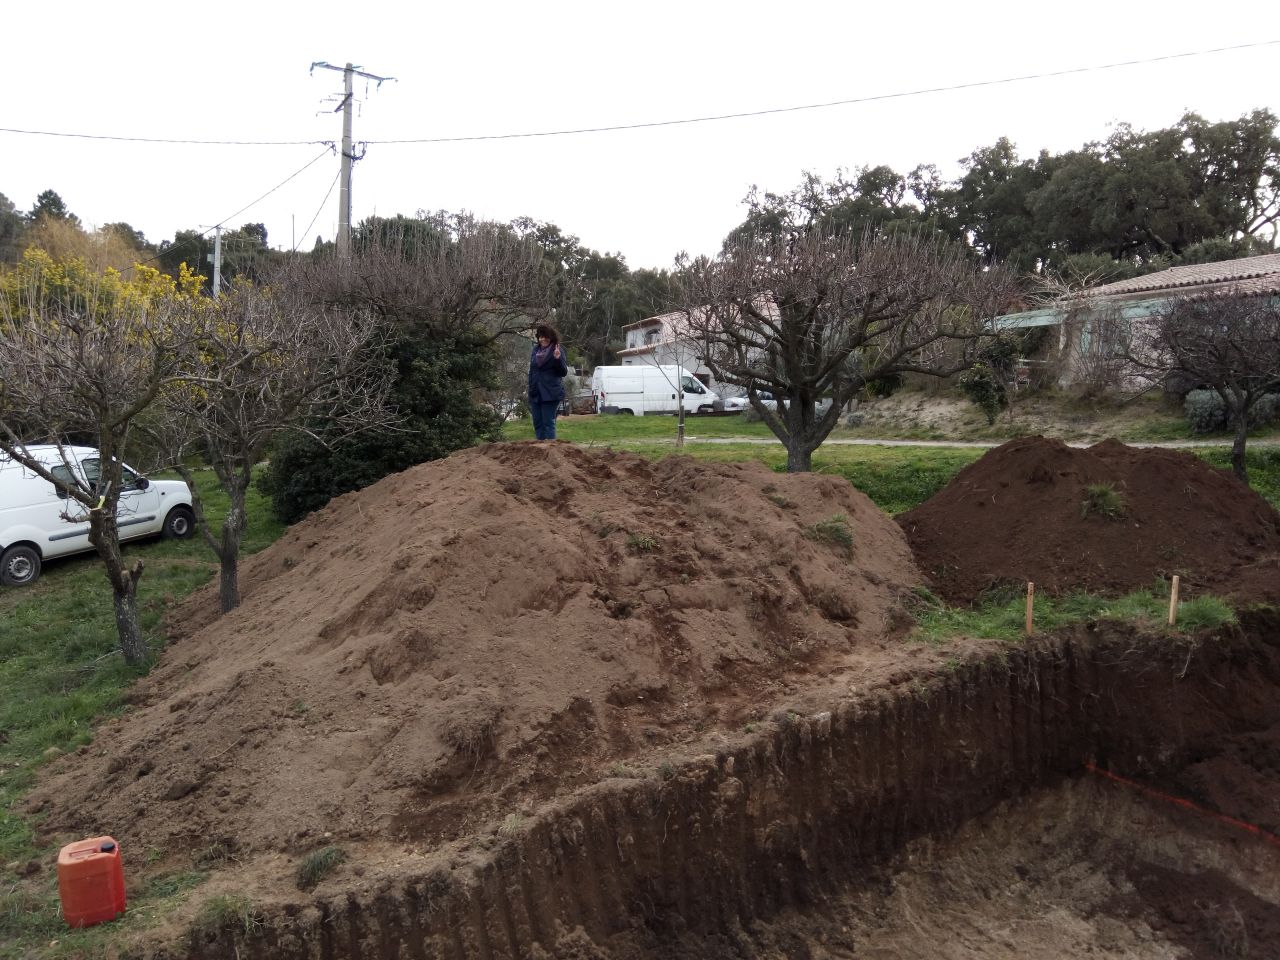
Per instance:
{"type": "Point", "coordinates": [834, 103]}
{"type": "Point", "coordinates": [123, 139]}
{"type": "Point", "coordinates": [328, 194]}
{"type": "Point", "coordinates": [329, 148]}
{"type": "Point", "coordinates": [900, 95]}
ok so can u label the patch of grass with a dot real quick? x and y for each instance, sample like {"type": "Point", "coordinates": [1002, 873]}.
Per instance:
{"type": "Point", "coordinates": [1103, 500]}
{"type": "Point", "coordinates": [1005, 619]}
{"type": "Point", "coordinates": [610, 429]}
{"type": "Point", "coordinates": [173, 884]}
{"type": "Point", "coordinates": [512, 825]}
{"type": "Point", "coordinates": [641, 543]}
{"type": "Point", "coordinates": [1202, 612]}
{"type": "Point", "coordinates": [317, 865]}
{"type": "Point", "coordinates": [218, 913]}
{"type": "Point", "coordinates": [219, 850]}
{"type": "Point", "coordinates": [834, 531]}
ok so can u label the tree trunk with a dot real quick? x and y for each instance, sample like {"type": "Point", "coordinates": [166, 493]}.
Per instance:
{"type": "Point", "coordinates": [233, 526]}
{"type": "Point", "coordinates": [128, 626]}
{"type": "Point", "coordinates": [105, 537]}
{"type": "Point", "coordinates": [1237, 448]}
{"type": "Point", "coordinates": [799, 458]}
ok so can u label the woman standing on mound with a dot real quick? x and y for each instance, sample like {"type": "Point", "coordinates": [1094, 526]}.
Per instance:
{"type": "Point", "coordinates": [547, 370]}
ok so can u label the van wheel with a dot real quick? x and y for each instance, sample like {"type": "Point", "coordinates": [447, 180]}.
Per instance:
{"type": "Point", "coordinates": [179, 524]}
{"type": "Point", "coordinates": [625, 412]}
{"type": "Point", "coordinates": [19, 566]}
{"type": "Point", "coordinates": [706, 408]}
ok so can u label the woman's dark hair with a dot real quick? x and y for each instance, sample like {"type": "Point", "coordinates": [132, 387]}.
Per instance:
{"type": "Point", "coordinates": [548, 331]}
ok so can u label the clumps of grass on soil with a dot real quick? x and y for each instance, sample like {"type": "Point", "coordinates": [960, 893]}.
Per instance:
{"type": "Point", "coordinates": [1003, 618]}
{"type": "Point", "coordinates": [641, 543]}
{"type": "Point", "coordinates": [219, 912]}
{"type": "Point", "coordinates": [833, 531]}
{"type": "Point", "coordinates": [512, 825]}
{"type": "Point", "coordinates": [1104, 500]}
{"type": "Point", "coordinates": [317, 865]}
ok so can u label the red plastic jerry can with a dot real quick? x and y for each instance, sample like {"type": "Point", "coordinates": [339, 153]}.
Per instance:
{"type": "Point", "coordinates": [91, 881]}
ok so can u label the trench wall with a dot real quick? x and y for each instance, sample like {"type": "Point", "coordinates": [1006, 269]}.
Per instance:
{"type": "Point", "coordinates": [807, 803]}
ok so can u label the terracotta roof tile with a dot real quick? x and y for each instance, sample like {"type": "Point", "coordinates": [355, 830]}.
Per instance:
{"type": "Point", "coordinates": [1248, 275]}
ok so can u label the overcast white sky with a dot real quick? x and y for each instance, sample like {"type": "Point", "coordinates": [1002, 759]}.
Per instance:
{"type": "Point", "coordinates": [239, 71]}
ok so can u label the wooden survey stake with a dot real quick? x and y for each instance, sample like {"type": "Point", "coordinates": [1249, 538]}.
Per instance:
{"type": "Point", "coordinates": [1173, 600]}
{"type": "Point", "coordinates": [1031, 602]}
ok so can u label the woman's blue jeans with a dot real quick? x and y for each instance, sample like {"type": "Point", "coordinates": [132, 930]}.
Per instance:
{"type": "Point", "coordinates": [544, 418]}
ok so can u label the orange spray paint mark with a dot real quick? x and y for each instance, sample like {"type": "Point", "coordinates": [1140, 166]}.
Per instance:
{"type": "Point", "coordinates": [1265, 835]}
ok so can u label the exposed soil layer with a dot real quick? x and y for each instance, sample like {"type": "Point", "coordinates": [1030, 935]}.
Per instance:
{"type": "Point", "coordinates": [1025, 511]}
{"type": "Point", "coordinates": [476, 635]}
{"type": "Point", "coordinates": [1086, 869]}
{"type": "Point", "coordinates": [823, 835]}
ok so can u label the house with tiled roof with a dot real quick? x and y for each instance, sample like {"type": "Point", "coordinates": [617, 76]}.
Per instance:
{"type": "Point", "coordinates": [1078, 318]}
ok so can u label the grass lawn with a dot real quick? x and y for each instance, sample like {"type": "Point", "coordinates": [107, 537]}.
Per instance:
{"type": "Point", "coordinates": [592, 429]}
{"type": "Point", "coordinates": [60, 673]}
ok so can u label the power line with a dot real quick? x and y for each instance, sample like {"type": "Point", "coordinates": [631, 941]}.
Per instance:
{"type": "Point", "coordinates": [835, 103]}
{"type": "Point", "coordinates": [328, 149]}
{"type": "Point", "coordinates": [202, 143]}
{"type": "Point", "coordinates": [328, 194]}
{"type": "Point", "coordinates": [900, 95]}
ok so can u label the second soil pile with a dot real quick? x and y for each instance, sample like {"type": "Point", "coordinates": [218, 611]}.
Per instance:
{"type": "Point", "coordinates": [1036, 509]}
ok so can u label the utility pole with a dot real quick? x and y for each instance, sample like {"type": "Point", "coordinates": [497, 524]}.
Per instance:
{"type": "Point", "coordinates": [344, 187]}
{"type": "Point", "coordinates": [216, 257]}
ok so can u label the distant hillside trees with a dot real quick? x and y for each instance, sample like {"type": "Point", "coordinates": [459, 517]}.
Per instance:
{"type": "Point", "coordinates": [1134, 202]}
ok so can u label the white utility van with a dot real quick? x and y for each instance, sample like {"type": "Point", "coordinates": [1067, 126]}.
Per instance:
{"type": "Point", "coordinates": [33, 511]}
{"type": "Point", "coordinates": [646, 388]}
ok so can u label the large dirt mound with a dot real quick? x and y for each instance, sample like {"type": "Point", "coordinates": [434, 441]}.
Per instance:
{"type": "Point", "coordinates": [463, 640]}
{"type": "Point", "coordinates": [1021, 513]}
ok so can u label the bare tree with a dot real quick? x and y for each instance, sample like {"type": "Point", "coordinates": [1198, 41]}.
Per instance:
{"type": "Point", "coordinates": [85, 361]}
{"type": "Point", "coordinates": [270, 359]}
{"type": "Point", "coordinates": [815, 315]}
{"type": "Point", "coordinates": [1230, 343]}
{"type": "Point", "coordinates": [454, 274]}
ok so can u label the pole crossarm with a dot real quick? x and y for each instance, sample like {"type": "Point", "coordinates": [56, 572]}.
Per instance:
{"type": "Point", "coordinates": [348, 71]}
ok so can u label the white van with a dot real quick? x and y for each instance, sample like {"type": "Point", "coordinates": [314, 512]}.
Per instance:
{"type": "Point", "coordinates": [646, 388]}
{"type": "Point", "coordinates": [33, 524]}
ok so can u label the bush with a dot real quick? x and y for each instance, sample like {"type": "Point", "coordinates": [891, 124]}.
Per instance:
{"type": "Point", "coordinates": [1206, 411]}
{"type": "Point", "coordinates": [433, 393]}
{"type": "Point", "coordinates": [984, 389]}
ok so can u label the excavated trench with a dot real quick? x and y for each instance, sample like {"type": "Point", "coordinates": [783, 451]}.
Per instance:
{"type": "Point", "coordinates": [812, 815]}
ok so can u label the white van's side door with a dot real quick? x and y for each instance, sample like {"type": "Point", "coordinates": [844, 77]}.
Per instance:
{"type": "Point", "coordinates": [659, 391]}
{"type": "Point", "coordinates": [66, 536]}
